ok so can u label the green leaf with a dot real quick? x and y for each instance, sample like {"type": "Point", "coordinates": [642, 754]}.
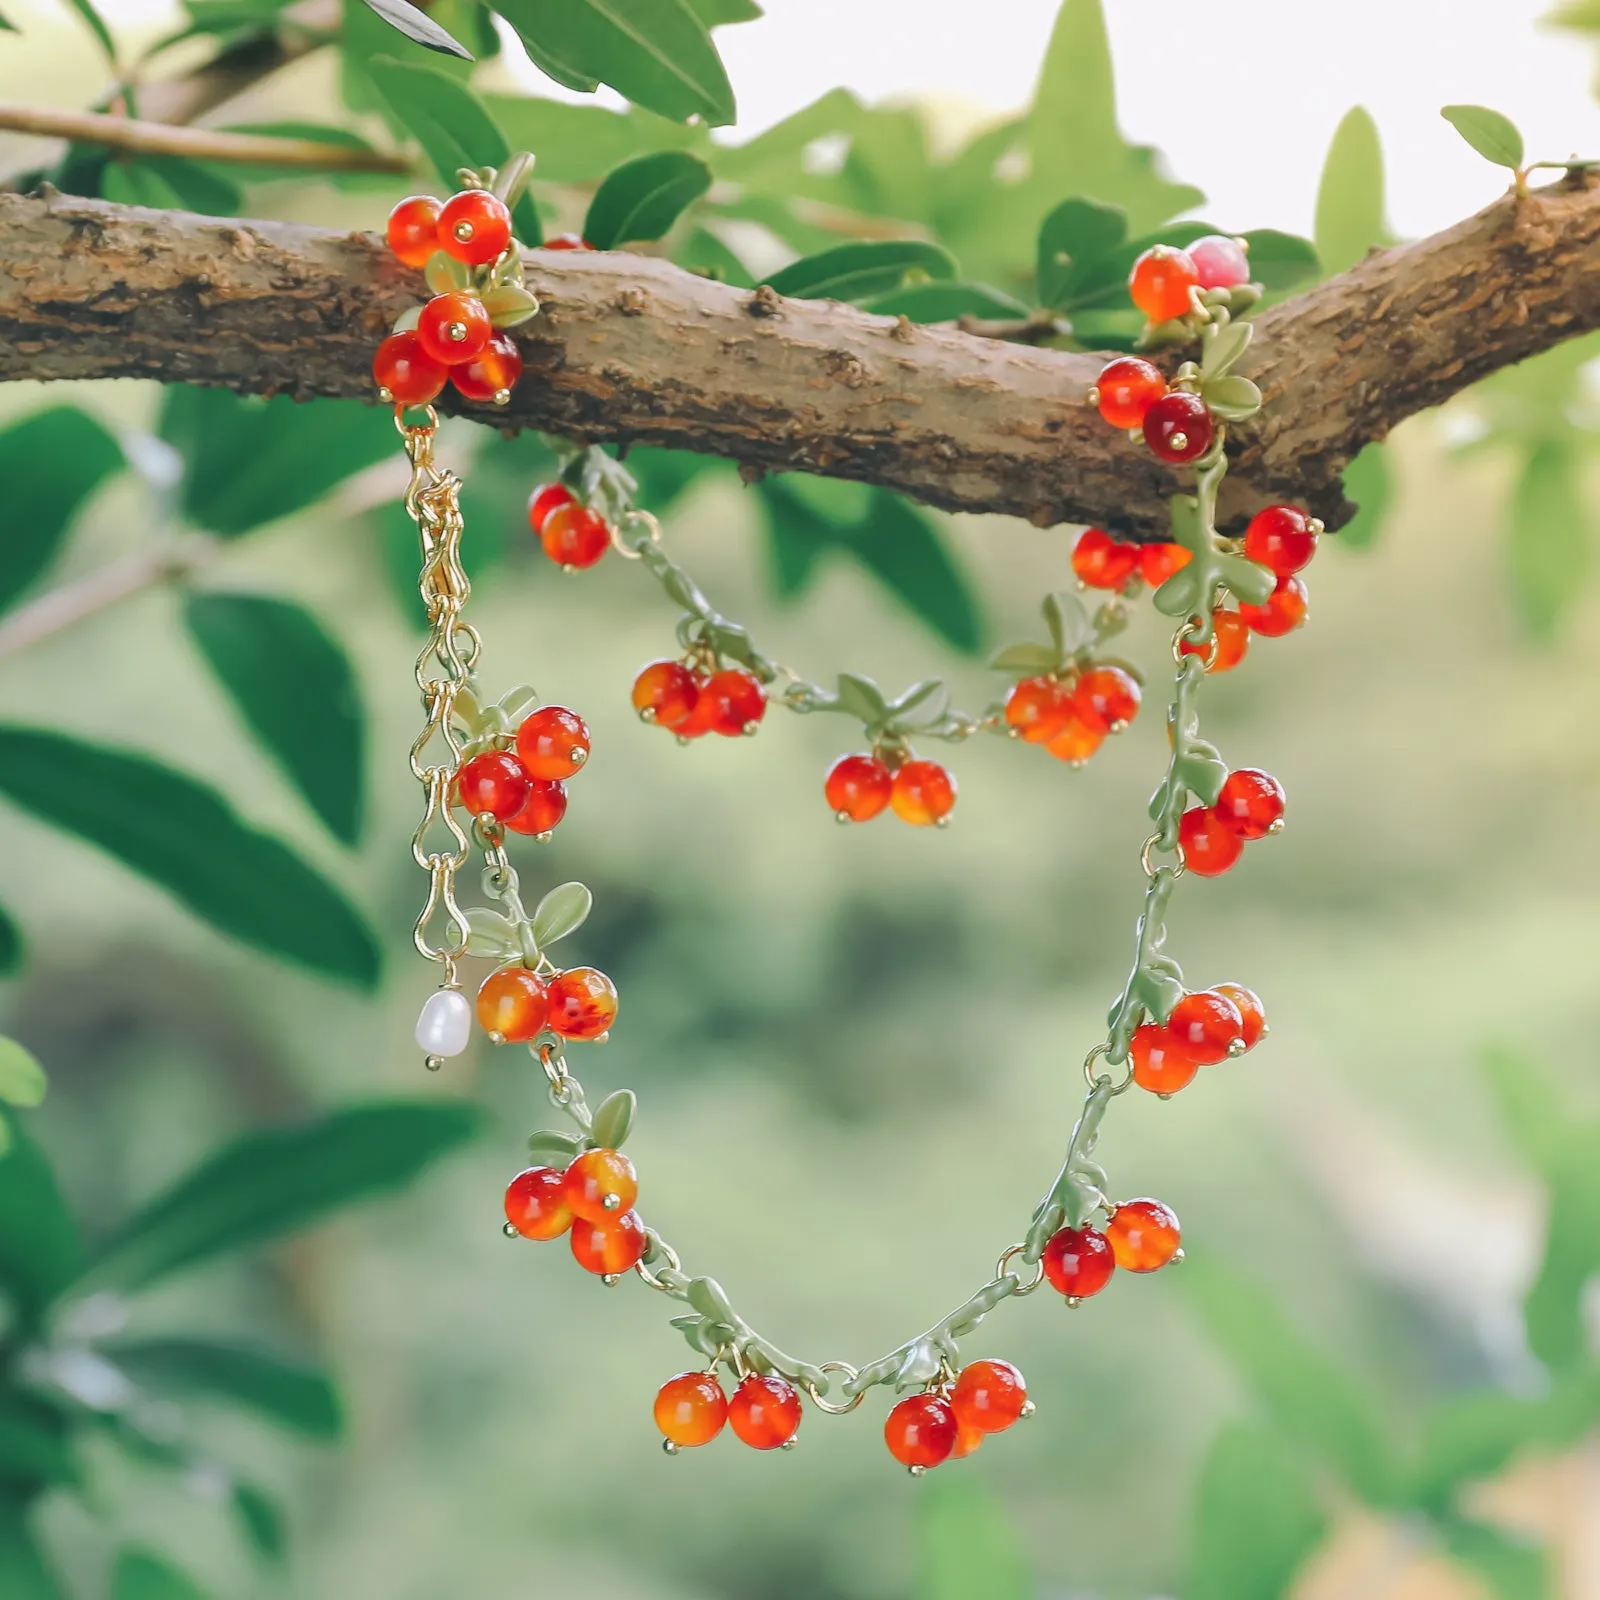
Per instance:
{"type": "Point", "coordinates": [269, 1184]}
{"type": "Point", "coordinates": [862, 271]}
{"type": "Point", "coordinates": [197, 187]}
{"type": "Point", "coordinates": [294, 685]}
{"type": "Point", "coordinates": [704, 253]}
{"type": "Point", "coordinates": [945, 302]}
{"type": "Point", "coordinates": [1256, 1518]}
{"type": "Point", "coordinates": [449, 121]}
{"type": "Point", "coordinates": [36, 1446]}
{"type": "Point", "coordinates": [262, 1519]}
{"type": "Point", "coordinates": [185, 837]}
{"type": "Point", "coordinates": [1513, 1568]}
{"type": "Point", "coordinates": [564, 910]}
{"type": "Point", "coordinates": [132, 181]}
{"type": "Point", "coordinates": [22, 1079]}
{"type": "Point", "coordinates": [553, 1149]}
{"type": "Point", "coordinates": [1102, 281]}
{"type": "Point", "coordinates": [40, 1253]}
{"type": "Point", "coordinates": [613, 1121]}
{"type": "Point", "coordinates": [248, 462]}
{"type": "Point", "coordinates": [1281, 260]}
{"type": "Point", "coordinates": [642, 198]}
{"type": "Point", "coordinates": [51, 462]}
{"type": "Point", "coordinates": [12, 949]}
{"type": "Point", "coordinates": [1232, 398]}
{"type": "Point", "coordinates": [796, 540]}
{"type": "Point", "coordinates": [657, 53]}
{"type": "Point", "coordinates": [966, 1547]}
{"type": "Point", "coordinates": [1349, 217]}
{"type": "Point", "coordinates": [862, 698]}
{"type": "Point", "coordinates": [1368, 481]}
{"type": "Point", "coordinates": [714, 13]}
{"type": "Point", "coordinates": [24, 1574]}
{"type": "Point", "coordinates": [1076, 232]}
{"type": "Point", "coordinates": [1533, 1111]}
{"type": "Point", "coordinates": [1493, 135]}
{"type": "Point", "coordinates": [142, 1576]}
{"type": "Point", "coordinates": [419, 27]}
{"type": "Point", "coordinates": [7, 25]}
{"type": "Point", "coordinates": [1025, 658]}
{"type": "Point", "coordinates": [1582, 15]}
{"type": "Point", "coordinates": [900, 544]}
{"type": "Point", "coordinates": [96, 25]}
{"type": "Point", "coordinates": [1550, 541]}
{"type": "Point", "coordinates": [297, 1397]}
{"type": "Point", "coordinates": [1557, 1333]}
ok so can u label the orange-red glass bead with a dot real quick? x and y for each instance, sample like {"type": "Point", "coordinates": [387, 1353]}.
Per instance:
{"type": "Point", "coordinates": [665, 694]}
{"type": "Point", "coordinates": [405, 372]}
{"type": "Point", "coordinates": [1107, 697]}
{"type": "Point", "coordinates": [454, 327]}
{"type": "Point", "coordinates": [1205, 1026]}
{"type": "Point", "coordinates": [1161, 1064]}
{"type": "Point", "coordinates": [691, 1409]}
{"type": "Point", "coordinates": [546, 805]}
{"type": "Point", "coordinates": [574, 536]}
{"type": "Point", "coordinates": [1281, 538]}
{"type": "Point", "coordinates": [1283, 612]}
{"type": "Point", "coordinates": [1231, 636]}
{"type": "Point", "coordinates": [513, 1004]}
{"type": "Point", "coordinates": [1143, 1235]}
{"type": "Point", "coordinates": [553, 742]}
{"type": "Point", "coordinates": [1079, 739]}
{"type": "Point", "coordinates": [1158, 562]}
{"type": "Point", "coordinates": [1210, 846]}
{"type": "Point", "coordinates": [495, 783]}
{"type": "Point", "coordinates": [1251, 802]}
{"type": "Point", "coordinates": [412, 230]}
{"type": "Point", "coordinates": [1179, 427]}
{"type": "Point", "coordinates": [600, 1183]}
{"type": "Point", "coordinates": [968, 1440]}
{"type": "Point", "coordinates": [858, 788]}
{"type": "Point", "coordinates": [765, 1411]}
{"type": "Point", "coordinates": [490, 377]}
{"type": "Point", "coordinates": [583, 1003]}
{"type": "Point", "coordinates": [536, 1203]}
{"type": "Point", "coordinates": [474, 227]}
{"type": "Point", "coordinates": [1078, 1262]}
{"type": "Point", "coordinates": [1037, 709]}
{"type": "Point", "coordinates": [732, 703]}
{"type": "Point", "coordinates": [1101, 562]}
{"type": "Point", "coordinates": [609, 1248]}
{"type": "Point", "coordinates": [1128, 386]}
{"type": "Point", "coordinates": [989, 1396]}
{"type": "Point", "coordinates": [1253, 1019]}
{"type": "Point", "coordinates": [544, 500]}
{"type": "Point", "coordinates": [1160, 282]}
{"type": "Point", "coordinates": [923, 793]}
{"type": "Point", "coordinates": [921, 1431]}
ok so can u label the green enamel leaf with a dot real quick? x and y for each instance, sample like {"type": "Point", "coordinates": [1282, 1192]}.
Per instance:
{"type": "Point", "coordinates": [1068, 621]}
{"type": "Point", "coordinates": [1492, 134]}
{"type": "Point", "coordinates": [492, 935]}
{"type": "Point", "coordinates": [613, 1120]}
{"type": "Point", "coordinates": [1232, 398]}
{"type": "Point", "coordinates": [1223, 349]}
{"type": "Point", "coordinates": [1349, 215]}
{"type": "Point", "coordinates": [862, 698]}
{"type": "Point", "coordinates": [1076, 232]}
{"type": "Point", "coordinates": [1549, 543]}
{"type": "Point", "coordinates": [562, 911]}
{"type": "Point", "coordinates": [643, 198]}
{"type": "Point", "coordinates": [552, 1149]}
{"type": "Point", "coordinates": [257, 1380]}
{"type": "Point", "coordinates": [862, 271]}
{"type": "Point", "coordinates": [1025, 658]}
{"type": "Point", "coordinates": [22, 1079]}
{"type": "Point", "coordinates": [1248, 583]}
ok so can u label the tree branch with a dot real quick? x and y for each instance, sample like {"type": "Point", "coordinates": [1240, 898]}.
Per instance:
{"type": "Point", "coordinates": [633, 349]}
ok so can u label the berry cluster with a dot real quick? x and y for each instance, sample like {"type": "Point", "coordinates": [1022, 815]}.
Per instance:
{"type": "Point", "coordinates": [517, 1004]}
{"type": "Point", "coordinates": [1249, 806]}
{"type": "Point", "coordinates": [1070, 714]}
{"type": "Point", "coordinates": [860, 787]}
{"type": "Point", "coordinates": [1204, 1028]}
{"type": "Point", "coordinates": [573, 536]}
{"type": "Point", "coordinates": [593, 1199]}
{"type": "Point", "coordinates": [1140, 1236]}
{"type": "Point", "coordinates": [950, 1420]}
{"type": "Point", "coordinates": [525, 788]}
{"type": "Point", "coordinates": [1100, 561]}
{"type": "Point", "coordinates": [692, 1409]}
{"type": "Point", "coordinates": [697, 696]}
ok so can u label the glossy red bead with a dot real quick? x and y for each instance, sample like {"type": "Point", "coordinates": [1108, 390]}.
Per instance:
{"type": "Point", "coordinates": [1161, 1063]}
{"type": "Point", "coordinates": [1220, 262]}
{"type": "Point", "coordinates": [1160, 282]}
{"type": "Point", "coordinates": [1232, 636]}
{"type": "Point", "coordinates": [583, 1003]}
{"type": "Point", "coordinates": [734, 702]}
{"type": "Point", "coordinates": [513, 1004]}
{"type": "Point", "coordinates": [1251, 802]}
{"type": "Point", "coordinates": [1253, 1019]}
{"type": "Point", "coordinates": [546, 806]}
{"type": "Point", "coordinates": [600, 1184]}
{"type": "Point", "coordinates": [1143, 1235]}
{"type": "Point", "coordinates": [1210, 846]}
{"type": "Point", "coordinates": [474, 227]}
{"type": "Point", "coordinates": [1128, 386]}
{"type": "Point", "coordinates": [765, 1411]}
{"type": "Point", "coordinates": [703, 719]}
{"type": "Point", "coordinates": [495, 783]}
{"type": "Point", "coordinates": [536, 1203]}
{"type": "Point", "coordinates": [691, 1409]}
{"type": "Point", "coordinates": [989, 1396]}
{"type": "Point", "coordinates": [1206, 1026]}
{"type": "Point", "coordinates": [545, 499]}
{"type": "Point", "coordinates": [1078, 1262]}
{"type": "Point", "coordinates": [454, 328]}
{"type": "Point", "coordinates": [858, 787]}
{"type": "Point", "coordinates": [1037, 709]}
{"type": "Point", "coordinates": [1284, 611]}
{"type": "Point", "coordinates": [553, 742]}
{"type": "Point", "coordinates": [406, 373]}
{"type": "Point", "coordinates": [1281, 539]}
{"type": "Point", "coordinates": [1179, 427]}
{"type": "Point", "coordinates": [923, 793]}
{"type": "Point", "coordinates": [921, 1431]}
{"type": "Point", "coordinates": [574, 536]}
{"type": "Point", "coordinates": [1107, 697]}
{"type": "Point", "coordinates": [1101, 562]}
{"type": "Point", "coordinates": [968, 1440]}
{"type": "Point", "coordinates": [665, 694]}
{"type": "Point", "coordinates": [1158, 562]}
{"type": "Point", "coordinates": [609, 1248]}
{"type": "Point", "coordinates": [489, 378]}
{"type": "Point", "coordinates": [1079, 739]}
{"type": "Point", "coordinates": [412, 229]}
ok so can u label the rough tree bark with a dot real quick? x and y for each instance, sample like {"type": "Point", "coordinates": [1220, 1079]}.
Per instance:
{"type": "Point", "coordinates": [632, 349]}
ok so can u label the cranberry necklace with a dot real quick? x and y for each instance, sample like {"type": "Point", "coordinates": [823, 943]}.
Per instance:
{"type": "Point", "coordinates": [492, 767]}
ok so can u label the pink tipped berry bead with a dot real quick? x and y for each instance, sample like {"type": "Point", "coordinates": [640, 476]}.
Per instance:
{"type": "Point", "coordinates": [536, 1203]}
{"type": "Point", "coordinates": [583, 1003]}
{"type": "Point", "coordinates": [1161, 1063]}
{"type": "Point", "coordinates": [454, 328]}
{"type": "Point", "coordinates": [546, 806]}
{"type": "Point", "coordinates": [1101, 562]}
{"type": "Point", "coordinates": [1220, 262]}
{"type": "Point", "coordinates": [488, 379]}
{"type": "Point", "coordinates": [1281, 538]}
{"type": "Point", "coordinates": [601, 1183]}
{"type": "Point", "coordinates": [1160, 283]}
{"type": "Point", "coordinates": [858, 788]}
{"type": "Point", "coordinates": [1284, 611]}
{"type": "Point", "coordinates": [474, 227]}
{"type": "Point", "coordinates": [1144, 1235]}
{"type": "Point", "coordinates": [1179, 427]}
{"type": "Point", "coordinates": [1251, 802]}
{"type": "Point", "coordinates": [1078, 1262]}
{"type": "Point", "coordinates": [609, 1248]}
{"type": "Point", "coordinates": [1128, 387]}
{"type": "Point", "coordinates": [544, 500]}
{"type": "Point", "coordinates": [553, 742]}
{"type": "Point", "coordinates": [1210, 846]}
{"type": "Point", "coordinates": [574, 536]}
{"type": "Point", "coordinates": [923, 793]}
{"type": "Point", "coordinates": [1037, 709]}
{"type": "Point", "coordinates": [665, 694]}
{"type": "Point", "coordinates": [1107, 697]}
{"type": "Point", "coordinates": [765, 1411]}
{"type": "Point", "coordinates": [412, 232]}
{"type": "Point", "coordinates": [921, 1431]}
{"type": "Point", "coordinates": [495, 783]}
{"type": "Point", "coordinates": [691, 1409]}
{"type": "Point", "coordinates": [405, 373]}
{"type": "Point", "coordinates": [989, 1396]}
{"type": "Point", "coordinates": [1207, 1026]}
{"type": "Point", "coordinates": [1251, 1014]}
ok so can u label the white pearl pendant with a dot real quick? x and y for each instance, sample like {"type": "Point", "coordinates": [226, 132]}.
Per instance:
{"type": "Point", "coordinates": [444, 1027]}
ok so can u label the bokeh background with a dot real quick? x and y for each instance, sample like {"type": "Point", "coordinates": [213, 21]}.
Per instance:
{"type": "Point", "coordinates": [857, 1050]}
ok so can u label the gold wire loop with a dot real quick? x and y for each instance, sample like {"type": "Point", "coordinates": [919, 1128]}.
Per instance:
{"type": "Point", "coordinates": [672, 1261]}
{"type": "Point", "coordinates": [1003, 1270]}
{"type": "Point", "coordinates": [1190, 630]}
{"type": "Point", "coordinates": [1154, 843]}
{"type": "Point", "coordinates": [1095, 1079]}
{"type": "Point", "coordinates": [637, 517]}
{"type": "Point", "coordinates": [851, 1374]}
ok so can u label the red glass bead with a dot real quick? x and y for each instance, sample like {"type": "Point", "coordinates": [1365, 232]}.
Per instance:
{"type": "Point", "coordinates": [1210, 846]}
{"type": "Point", "coordinates": [553, 742]}
{"type": "Point", "coordinates": [412, 229]}
{"type": "Point", "coordinates": [546, 806]}
{"type": "Point", "coordinates": [765, 1411]}
{"type": "Point", "coordinates": [1251, 1014]}
{"type": "Point", "coordinates": [536, 1203]}
{"type": "Point", "coordinates": [583, 1003]}
{"type": "Point", "coordinates": [1160, 283]}
{"type": "Point", "coordinates": [1284, 611]}
{"type": "Point", "coordinates": [1079, 740]}
{"type": "Point", "coordinates": [1078, 1262]}
{"type": "Point", "coordinates": [609, 1248]}
{"type": "Point", "coordinates": [989, 1396]}
{"type": "Point", "coordinates": [1158, 562]}
{"type": "Point", "coordinates": [1101, 562]}
{"type": "Point", "coordinates": [495, 783]}
{"type": "Point", "coordinates": [454, 327]}
{"type": "Point", "coordinates": [1179, 427]}
{"type": "Point", "coordinates": [923, 793]}
{"type": "Point", "coordinates": [921, 1431]}
{"type": "Point", "coordinates": [598, 1176]}
{"type": "Point", "coordinates": [1107, 697]}
{"type": "Point", "coordinates": [1206, 1026]}
{"type": "Point", "coordinates": [574, 536]}
{"type": "Point", "coordinates": [1281, 539]}
{"type": "Point", "coordinates": [474, 227]}
{"type": "Point", "coordinates": [665, 694]}
{"type": "Point", "coordinates": [544, 500]}
{"type": "Point", "coordinates": [1160, 1062]}
{"type": "Point", "coordinates": [405, 372]}
{"type": "Point", "coordinates": [691, 1409]}
{"type": "Point", "coordinates": [1221, 262]}
{"type": "Point", "coordinates": [1038, 709]}
{"type": "Point", "coordinates": [566, 241]}
{"type": "Point", "coordinates": [967, 1441]}
{"type": "Point", "coordinates": [513, 1004]}
{"type": "Point", "coordinates": [1143, 1235]}
{"type": "Point", "coordinates": [1232, 635]}
{"type": "Point", "coordinates": [1128, 386]}
{"type": "Point", "coordinates": [703, 719]}
{"type": "Point", "coordinates": [1251, 802]}
{"type": "Point", "coordinates": [489, 378]}
{"type": "Point", "coordinates": [734, 702]}
{"type": "Point", "coordinates": [858, 788]}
